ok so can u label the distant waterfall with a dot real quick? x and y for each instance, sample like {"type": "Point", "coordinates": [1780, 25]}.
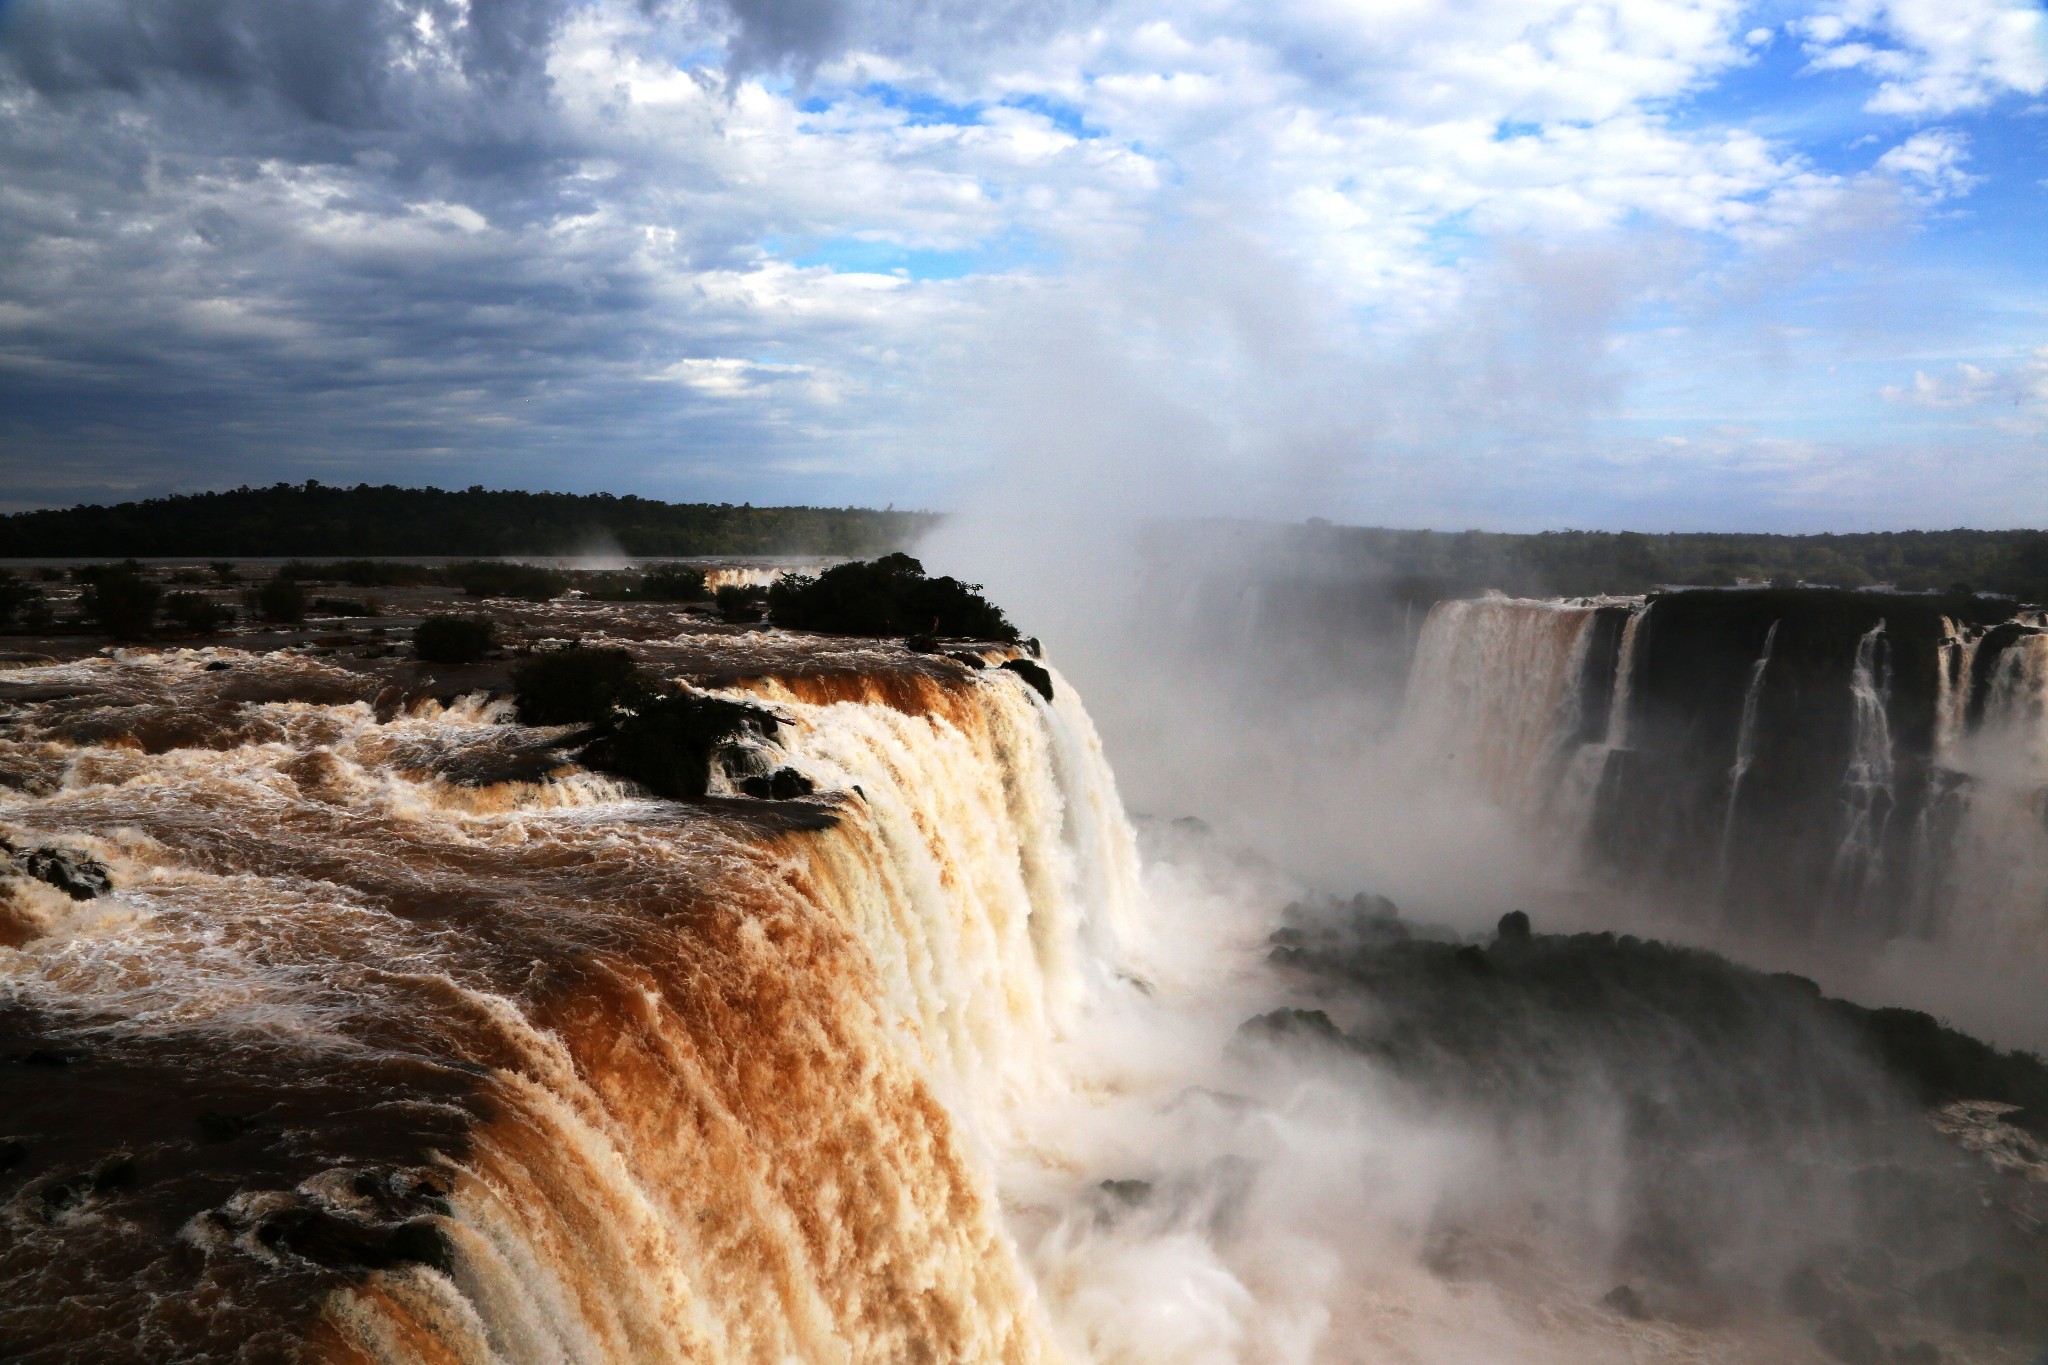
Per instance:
{"type": "Point", "coordinates": [1745, 751]}
{"type": "Point", "coordinates": [1867, 783]}
{"type": "Point", "coordinates": [1496, 694]}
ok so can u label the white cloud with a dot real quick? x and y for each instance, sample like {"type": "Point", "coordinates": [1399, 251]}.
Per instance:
{"type": "Point", "coordinates": [1934, 57]}
{"type": "Point", "coordinates": [2023, 385]}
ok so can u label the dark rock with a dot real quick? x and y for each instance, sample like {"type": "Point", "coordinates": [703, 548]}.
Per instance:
{"type": "Point", "coordinates": [1624, 1300]}
{"type": "Point", "coordinates": [758, 786]}
{"type": "Point", "coordinates": [921, 643]}
{"type": "Point", "coordinates": [1293, 1023]}
{"type": "Point", "coordinates": [71, 872]}
{"type": "Point", "coordinates": [1040, 680]}
{"type": "Point", "coordinates": [219, 666]}
{"type": "Point", "coordinates": [13, 1151]}
{"type": "Point", "coordinates": [43, 1056]}
{"type": "Point", "coordinates": [787, 784]}
{"type": "Point", "coordinates": [1130, 1193]}
{"type": "Point", "coordinates": [961, 656]}
{"type": "Point", "coordinates": [215, 1126]}
{"type": "Point", "coordinates": [333, 1240]}
{"type": "Point", "coordinates": [1849, 1341]}
{"type": "Point", "coordinates": [1514, 927]}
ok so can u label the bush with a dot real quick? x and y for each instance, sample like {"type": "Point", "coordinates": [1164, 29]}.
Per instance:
{"type": "Point", "coordinates": [280, 599]}
{"type": "Point", "coordinates": [887, 596]}
{"type": "Point", "coordinates": [361, 573]}
{"type": "Point", "coordinates": [738, 606]}
{"type": "Point", "coordinates": [491, 578]}
{"type": "Point", "coordinates": [673, 583]}
{"type": "Point", "coordinates": [120, 599]}
{"type": "Point", "coordinates": [453, 639]}
{"type": "Point", "coordinates": [577, 686]}
{"type": "Point", "coordinates": [666, 743]}
{"type": "Point", "coordinates": [224, 570]}
{"type": "Point", "coordinates": [19, 600]}
{"type": "Point", "coordinates": [196, 612]}
{"type": "Point", "coordinates": [345, 606]}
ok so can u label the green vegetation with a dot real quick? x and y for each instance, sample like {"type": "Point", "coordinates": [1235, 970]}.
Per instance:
{"type": "Point", "coordinates": [453, 639]}
{"type": "Point", "coordinates": [666, 743]}
{"type": "Point", "coordinates": [279, 599]}
{"type": "Point", "coordinates": [488, 578]}
{"type": "Point", "coordinates": [196, 613]}
{"type": "Point", "coordinates": [361, 573]}
{"type": "Point", "coordinates": [739, 606]}
{"type": "Point", "coordinates": [887, 596]}
{"type": "Point", "coordinates": [312, 519]}
{"type": "Point", "coordinates": [119, 599]}
{"type": "Point", "coordinates": [1582, 563]}
{"type": "Point", "coordinates": [577, 686]}
{"type": "Point", "coordinates": [672, 583]}
{"type": "Point", "coordinates": [21, 604]}
{"type": "Point", "coordinates": [664, 739]}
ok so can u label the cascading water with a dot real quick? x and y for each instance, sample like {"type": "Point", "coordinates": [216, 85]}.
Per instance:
{"type": "Point", "coordinates": [1867, 783]}
{"type": "Point", "coordinates": [1495, 694]}
{"type": "Point", "coordinates": [1745, 753]}
{"type": "Point", "coordinates": [681, 1087]}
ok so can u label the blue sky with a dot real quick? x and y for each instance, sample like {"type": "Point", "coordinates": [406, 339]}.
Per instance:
{"type": "Point", "coordinates": [1512, 263]}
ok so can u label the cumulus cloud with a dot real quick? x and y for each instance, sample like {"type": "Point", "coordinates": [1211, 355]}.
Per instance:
{"type": "Point", "coordinates": [2023, 385]}
{"type": "Point", "coordinates": [741, 248]}
{"type": "Point", "coordinates": [1934, 56]}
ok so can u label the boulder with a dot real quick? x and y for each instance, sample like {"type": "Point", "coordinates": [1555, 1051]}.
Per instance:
{"type": "Point", "coordinates": [1034, 674]}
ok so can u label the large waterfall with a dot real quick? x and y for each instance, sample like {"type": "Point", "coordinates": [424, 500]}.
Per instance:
{"type": "Point", "coordinates": [575, 1075]}
{"type": "Point", "coordinates": [1844, 765]}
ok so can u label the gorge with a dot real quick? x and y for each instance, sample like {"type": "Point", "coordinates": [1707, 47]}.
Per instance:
{"type": "Point", "coordinates": [399, 1035]}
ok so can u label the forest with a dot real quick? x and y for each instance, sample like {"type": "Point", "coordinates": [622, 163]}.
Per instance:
{"type": "Point", "coordinates": [311, 519]}
{"type": "Point", "coordinates": [1583, 563]}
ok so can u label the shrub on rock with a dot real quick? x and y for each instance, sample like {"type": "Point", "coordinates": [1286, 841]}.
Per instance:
{"type": "Point", "coordinates": [577, 686]}
{"type": "Point", "coordinates": [280, 599]}
{"type": "Point", "coordinates": [666, 743]}
{"type": "Point", "coordinates": [453, 639]}
{"type": "Point", "coordinates": [673, 583]}
{"type": "Point", "coordinates": [120, 599]}
{"type": "Point", "coordinates": [196, 613]}
{"type": "Point", "coordinates": [887, 596]}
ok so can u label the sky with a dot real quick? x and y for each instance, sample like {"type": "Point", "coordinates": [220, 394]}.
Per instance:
{"type": "Point", "coordinates": [1661, 264]}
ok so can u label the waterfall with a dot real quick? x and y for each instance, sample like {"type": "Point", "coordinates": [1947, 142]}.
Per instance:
{"type": "Point", "coordinates": [1867, 795]}
{"type": "Point", "coordinates": [666, 1083]}
{"type": "Point", "coordinates": [1494, 696]}
{"type": "Point", "coordinates": [1745, 751]}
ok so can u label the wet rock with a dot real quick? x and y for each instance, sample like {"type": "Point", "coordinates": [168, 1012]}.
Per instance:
{"type": "Point", "coordinates": [1624, 1300]}
{"type": "Point", "coordinates": [219, 666]}
{"type": "Point", "coordinates": [1129, 1193]}
{"type": "Point", "coordinates": [215, 1126]}
{"type": "Point", "coordinates": [1040, 680]}
{"type": "Point", "coordinates": [1293, 1023]}
{"type": "Point", "coordinates": [13, 1151]}
{"type": "Point", "coordinates": [335, 1240]}
{"type": "Point", "coordinates": [75, 874]}
{"type": "Point", "coordinates": [784, 784]}
{"type": "Point", "coordinates": [961, 656]}
{"type": "Point", "coordinates": [1514, 927]}
{"type": "Point", "coordinates": [921, 643]}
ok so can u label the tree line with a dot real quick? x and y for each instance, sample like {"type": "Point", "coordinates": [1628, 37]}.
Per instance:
{"type": "Point", "coordinates": [314, 519]}
{"type": "Point", "coordinates": [1584, 563]}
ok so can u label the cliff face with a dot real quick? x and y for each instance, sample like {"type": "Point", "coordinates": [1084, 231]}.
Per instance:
{"type": "Point", "coordinates": [1800, 762]}
{"type": "Point", "coordinates": [359, 1061]}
